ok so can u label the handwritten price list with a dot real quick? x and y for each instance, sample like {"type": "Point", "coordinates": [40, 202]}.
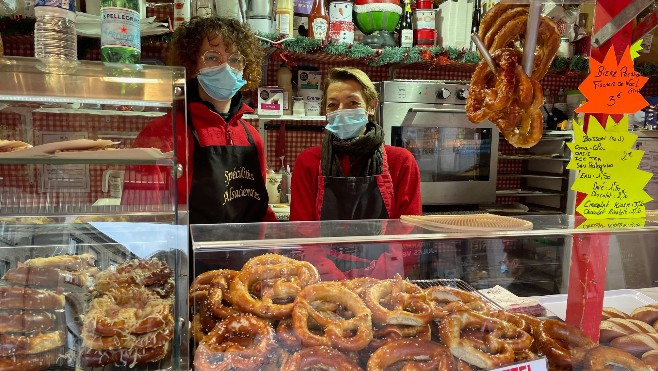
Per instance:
{"type": "Point", "coordinates": [608, 171]}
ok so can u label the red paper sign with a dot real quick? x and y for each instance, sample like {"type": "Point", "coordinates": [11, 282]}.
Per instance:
{"type": "Point", "coordinates": [611, 87]}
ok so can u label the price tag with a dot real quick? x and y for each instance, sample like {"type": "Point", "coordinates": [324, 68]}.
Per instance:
{"type": "Point", "coordinates": [608, 171]}
{"type": "Point", "coordinates": [611, 87]}
{"type": "Point", "coordinates": [535, 365]}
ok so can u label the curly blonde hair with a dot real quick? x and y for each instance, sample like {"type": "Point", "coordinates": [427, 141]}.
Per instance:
{"type": "Point", "coordinates": [187, 40]}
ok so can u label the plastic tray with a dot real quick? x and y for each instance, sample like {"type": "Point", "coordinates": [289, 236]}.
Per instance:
{"type": "Point", "coordinates": [625, 300]}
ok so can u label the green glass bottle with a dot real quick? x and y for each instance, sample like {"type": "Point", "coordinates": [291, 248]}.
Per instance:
{"type": "Point", "coordinates": [120, 34]}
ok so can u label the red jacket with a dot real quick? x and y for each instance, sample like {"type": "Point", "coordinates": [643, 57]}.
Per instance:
{"type": "Point", "coordinates": [211, 129]}
{"type": "Point", "coordinates": [404, 174]}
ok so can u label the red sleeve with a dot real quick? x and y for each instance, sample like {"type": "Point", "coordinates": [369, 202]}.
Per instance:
{"type": "Point", "coordinates": [406, 180]}
{"type": "Point", "coordinates": [304, 185]}
{"type": "Point", "coordinates": [150, 184]}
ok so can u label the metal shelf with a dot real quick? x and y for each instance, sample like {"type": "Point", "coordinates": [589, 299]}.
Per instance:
{"type": "Point", "coordinates": [531, 157]}
{"type": "Point", "coordinates": [536, 174]}
{"type": "Point", "coordinates": [527, 193]}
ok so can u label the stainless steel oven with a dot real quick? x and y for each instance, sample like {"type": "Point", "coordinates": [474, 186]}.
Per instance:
{"type": "Point", "coordinates": [457, 159]}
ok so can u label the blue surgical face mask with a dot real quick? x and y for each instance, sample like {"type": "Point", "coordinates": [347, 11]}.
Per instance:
{"type": "Point", "coordinates": [347, 123]}
{"type": "Point", "coordinates": [503, 268]}
{"type": "Point", "coordinates": [221, 82]}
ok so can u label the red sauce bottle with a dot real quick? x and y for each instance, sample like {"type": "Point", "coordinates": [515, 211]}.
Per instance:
{"type": "Point", "coordinates": [318, 21]}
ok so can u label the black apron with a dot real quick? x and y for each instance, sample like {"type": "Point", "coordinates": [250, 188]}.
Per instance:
{"type": "Point", "coordinates": [227, 183]}
{"type": "Point", "coordinates": [353, 198]}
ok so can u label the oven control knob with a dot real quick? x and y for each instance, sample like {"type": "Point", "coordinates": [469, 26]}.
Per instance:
{"type": "Point", "coordinates": [443, 93]}
{"type": "Point", "coordinates": [462, 94]}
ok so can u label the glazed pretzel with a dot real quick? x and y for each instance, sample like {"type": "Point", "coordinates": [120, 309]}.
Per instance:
{"type": "Point", "coordinates": [398, 302]}
{"type": "Point", "coordinates": [520, 121]}
{"type": "Point", "coordinates": [606, 358]}
{"type": "Point", "coordinates": [319, 358]}
{"type": "Point", "coordinates": [411, 354]}
{"type": "Point", "coordinates": [389, 333]}
{"type": "Point", "coordinates": [241, 341]}
{"type": "Point", "coordinates": [219, 293]}
{"type": "Point", "coordinates": [267, 285]}
{"type": "Point", "coordinates": [561, 343]}
{"type": "Point", "coordinates": [484, 354]}
{"type": "Point", "coordinates": [504, 26]}
{"type": "Point", "coordinates": [446, 300]}
{"type": "Point", "coordinates": [350, 334]}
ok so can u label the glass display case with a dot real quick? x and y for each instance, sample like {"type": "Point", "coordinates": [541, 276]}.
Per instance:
{"type": "Point", "coordinates": [393, 265]}
{"type": "Point", "coordinates": [93, 232]}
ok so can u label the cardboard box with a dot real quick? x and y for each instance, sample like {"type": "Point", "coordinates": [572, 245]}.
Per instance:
{"type": "Point", "coordinates": [270, 101]}
{"type": "Point", "coordinates": [309, 80]}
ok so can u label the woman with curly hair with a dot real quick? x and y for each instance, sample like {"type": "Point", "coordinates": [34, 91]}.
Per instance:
{"type": "Point", "coordinates": [225, 178]}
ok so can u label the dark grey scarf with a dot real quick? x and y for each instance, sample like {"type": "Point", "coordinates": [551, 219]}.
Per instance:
{"type": "Point", "coordinates": [366, 152]}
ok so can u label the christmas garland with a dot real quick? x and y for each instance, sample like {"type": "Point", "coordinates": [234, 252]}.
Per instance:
{"type": "Point", "coordinates": [396, 55]}
{"type": "Point", "coordinates": [12, 25]}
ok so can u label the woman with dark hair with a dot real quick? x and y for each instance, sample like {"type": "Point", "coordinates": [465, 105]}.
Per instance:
{"type": "Point", "coordinates": [225, 178]}
{"type": "Point", "coordinates": [353, 175]}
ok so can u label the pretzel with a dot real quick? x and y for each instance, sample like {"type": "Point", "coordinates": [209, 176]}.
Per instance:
{"type": "Point", "coordinates": [509, 29]}
{"type": "Point", "coordinates": [29, 362]}
{"type": "Point", "coordinates": [287, 336]}
{"type": "Point", "coordinates": [359, 285]}
{"type": "Point", "coordinates": [199, 288]}
{"type": "Point", "coordinates": [493, 15]}
{"type": "Point", "coordinates": [398, 302]}
{"type": "Point", "coordinates": [561, 343]}
{"type": "Point", "coordinates": [241, 341]}
{"type": "Point", "coordinates": [389, 333]}
{"type": "Point", "coordinates": [128, 310]}
{"type": "Point", "coordinates": [413, 354]}
{"type": "Point", "coordinates": [446, 300]}
{"type": "Point", "coordinates": [218, 293]}
{"type": "Point", "coordinates": [20, 320]}
{"type": "Point", "coordinates": [275, 360]}
{"type": "Point", "coordinates": [16, 297]}
{"type": "Point", "coordinates": [636, 344]}
{"type": "Point", "coordinates": [605, 358]}
{"type": "Point", "coordinates": [349, 334]}
{"type": "Point", "coordinates": [488, 34]}
{"type": "Point", "coordinates": [42, 276]}
{"type": "Point", "coordinates": [319, 357]}
{"type": "Point", "coordinates": [128, 357]}
{"type": "Point", "coordinates": [128, 341]}
{"type": "Point", "coordinates": [615, 327]}
{"type": "Point", "coordinates": [651, 358]}
{"type": "Point", "coordinates": [647, 313]}
{"type": "Point", "coordinates": [16, 345]}
{"type": "Point", "coordinates": [71, 263]}
{"type": "Point", "coordinates": [609, 312]}
{"type": "Point", "coordinates": [484, 354]}
{"type": "Point", "coordinates": [141, 272]}
{"type": "Point", "coordinates": [267, 285]}
{"type": "Point", "coordinates": [531, 126]}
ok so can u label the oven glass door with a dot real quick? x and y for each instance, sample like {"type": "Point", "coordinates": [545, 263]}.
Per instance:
{"type": "Point", "coordinates": [447, 154]}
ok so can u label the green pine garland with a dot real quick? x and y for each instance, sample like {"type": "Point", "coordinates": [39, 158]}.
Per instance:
{"type": "Point", "coordinates": [396, 55]}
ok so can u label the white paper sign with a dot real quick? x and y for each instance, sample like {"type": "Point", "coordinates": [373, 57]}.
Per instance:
{"type": "Point", "coordinates": [536, 365]}
{"type": "Point", "coordinates": [62, 178]}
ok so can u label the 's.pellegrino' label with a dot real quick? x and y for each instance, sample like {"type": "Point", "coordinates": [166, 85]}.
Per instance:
{"type": "Point", "coordinates": [120, 27]}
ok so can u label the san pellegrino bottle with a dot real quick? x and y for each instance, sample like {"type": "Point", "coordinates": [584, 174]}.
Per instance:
{"type": "Point", "coordinates": [406, 33]}
{"type": "Point", "coordinates": [120, 34]}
